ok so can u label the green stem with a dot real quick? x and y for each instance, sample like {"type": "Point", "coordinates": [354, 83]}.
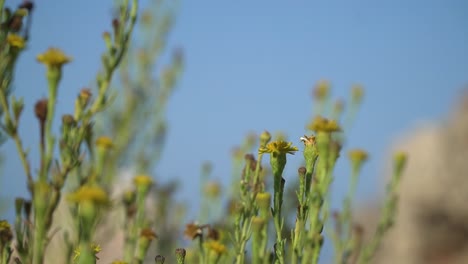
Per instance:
{"type": "Point", "coordinates": [277, 202]}
{"type": "Point", "coordinates": [386, 220]}
{"type": "Point", "coordinates": [16, 139]}
{"type": "Point", "coordinates": [2, 3]}
{"type": "Point", "coordinates": [201, 250]}
{"type": "Point", "coordinates": [39, 237]}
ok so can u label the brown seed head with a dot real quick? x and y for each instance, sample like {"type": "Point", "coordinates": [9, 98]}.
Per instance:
{"type": "Point", "coordinates": [192, 231]}
{"type": "Point", "coordinates": [40, 109]}
{"type": "Point", "coordinates": [213, 233]}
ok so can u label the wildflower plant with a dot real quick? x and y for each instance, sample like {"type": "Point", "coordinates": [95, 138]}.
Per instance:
{"type": "Point", "coordinates": [109, 129]}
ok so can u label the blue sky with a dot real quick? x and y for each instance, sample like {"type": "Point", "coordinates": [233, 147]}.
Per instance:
{"type": "Point", "coordinates": [257, 60]}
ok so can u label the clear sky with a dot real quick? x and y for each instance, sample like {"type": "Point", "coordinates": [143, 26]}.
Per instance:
{"type": "Point", "coordinates": [250, 66]}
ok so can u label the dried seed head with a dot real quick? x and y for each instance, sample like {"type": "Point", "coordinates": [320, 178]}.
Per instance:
{"type": "Point", "coordinates": [159, 259]}
{"type": "Point", "coordinates": [302, 172]}
{"type": "Point", "coordinates": [180, 255]}
{"type": "Point", "coordinates": [213, 233]}
{"type": "Point", "coordinates": [85, 97]}
{"type": "Point", "coordinates": [27, 208]}
{"type": "Point", "coordinates": [28, 5]}
{"type": "Point", "coordinates": [40, 109]}
{"type": "Point", "coordinates": [148, 233]}
{"type": "Point", "coordinates": [68, 120]}
{"type": "Point", "coordinates": [192, 231]}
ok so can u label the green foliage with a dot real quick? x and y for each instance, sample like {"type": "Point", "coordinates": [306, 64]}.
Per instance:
{"type": "Point", "coordinates": [72, 216]}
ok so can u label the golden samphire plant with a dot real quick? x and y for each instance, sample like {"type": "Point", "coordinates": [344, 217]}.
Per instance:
{"type": "Point", "coordinates": [107, 132]}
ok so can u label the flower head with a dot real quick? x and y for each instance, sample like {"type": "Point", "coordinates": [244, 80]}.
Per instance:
{"type": "Point", "coordinates": [53, 57]}
{"type": "Point", "coordinates": [217, 247]}
{"type": "Point", "coordinates": [400, 159]}
{"type": "Point", "coordinates": [192, 231]}
{"type": "Point", "coordinates": [95, 247]}
{"type": "Point", "coordinates": [6, 234]}
{"type": "Point", "coordinates": [84, 96]}
{"type": "Point", "coordinates": [258, 223]}
{"type": "Point", "coordinates": [92, 194]}
{"type": "Point", "coordinates": [159, 259]}
{"type": "Point", "coordinates": [16, 41]}
{"type": "Point", "coordinates": [263, 200]}
{"type": "Point", "coordinates": [213, 189]}
{"type": "Point", "coordinates": [148, 233]}
{"type": "Point", "coordinates": [357, 93]}
{"type": "Point", "coordinates": [180, 255]}
{"type": "Point", "coordinates": [143, 180]}
{"type": "Point", "coordinates": [321, 90]}
{"type": "Point", "coordinates": [104, 142]}
{"type": "Point", "coordinates": [265, 137]}
{"type": "Point", "coordinates": [308, 140]}
{"type": "Point", "coordinates": [324, 125]}
{"type": "Point", "coordinates": [278, 147]}
{"type": "Point", "coordinates": [358, 155]}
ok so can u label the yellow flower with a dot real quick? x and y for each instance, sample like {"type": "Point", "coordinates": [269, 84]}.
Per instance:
{"type": "Point", "coordinates": [6, 235]}
{"type": "Point", "coordinates": [16, 41]}
{"type": "Point", "coordinates": [142, 180]}
{"type": "Point", "coordinates": [400, 159]}
{"type": "Point", "coordinates": [321, 89]}
{"type": "Point", "coordinates": [279, 147]}
{"type": "Point", "coordinates": [217, 247]}
{"type": "Point", "coordinates": [95, 247]}
{"type": "Point", "coordinates": [213, 189]}
{"type": "Point", "coordinates": [324, 125]}
{"type": "Point", "coordinates": [4, 225]}
{"type": "Point", "coordinates": [89, 193]}
{"type": "Point", "coordinates": [357, 92]}
{"type": "Point", "coordinates": [53, 57]}
{"type": "Point", "coordinates": [263, 200]}
{"type": "Point", "coordinates": [77, 254]}
{"type": "Point", "coordinates": [104, 142]}
{"type": "Point", "coordinates": [258, 223]}
{"type": "Point", "coordinates": [358, 155]}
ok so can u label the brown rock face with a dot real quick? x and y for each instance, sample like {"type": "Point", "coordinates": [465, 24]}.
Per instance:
{"type": "Point", "coordinates": [432, 221]}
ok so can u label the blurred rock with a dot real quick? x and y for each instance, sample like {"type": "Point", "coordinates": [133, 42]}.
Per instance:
{"type": "Point", "coordinates": [432, 222]}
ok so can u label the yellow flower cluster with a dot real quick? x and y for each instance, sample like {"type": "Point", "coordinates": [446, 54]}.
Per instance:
{"type": "Point", "coordinates": [95, 247]}
{"type": "Point", "coordinates": [92, 194]}
{"type": "Point", "coordinates": [217, 247]}
{"type": "Point", "coordinates": [263, 199]}
{"type": "Point", "coordinates": [142, 180]}
{"type": "Point", "coordinates": [358, 155]}
{"type": "Point", "coordinates": [324, 125]}
{"type": "Point", "coordinates": [322, 90]}
{"type": "Point", "coordinates": [104, 142]}
{"type": "Point", "coordinates": [53, 57]}
{"type": "Point", "coordinates": [278, 147]}
{"type": "Point", "coordinates": [16, 41]}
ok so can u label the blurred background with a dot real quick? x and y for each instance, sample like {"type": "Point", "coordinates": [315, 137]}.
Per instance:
{"type": "Point", "coordinates": [250, 66]}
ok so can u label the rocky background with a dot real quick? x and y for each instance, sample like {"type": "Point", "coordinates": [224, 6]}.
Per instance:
{"type": "Point", "coordinates": [432, 223]}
